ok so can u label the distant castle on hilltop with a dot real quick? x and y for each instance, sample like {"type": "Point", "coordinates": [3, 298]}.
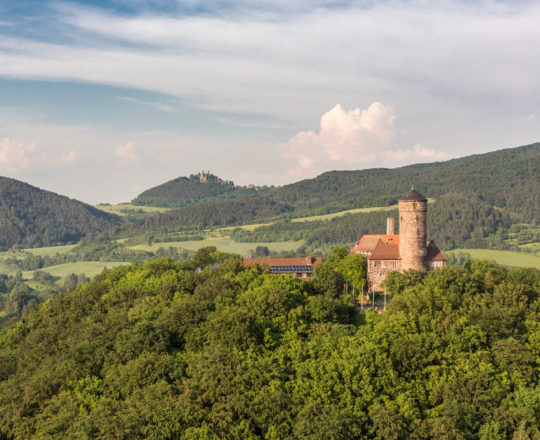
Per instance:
{"type": "Point", "coordinates": [408, 250]}
{"type": "Point", "coordinates": [204, 176]}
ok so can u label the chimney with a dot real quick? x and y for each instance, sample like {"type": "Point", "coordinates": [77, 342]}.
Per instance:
{"type": "Point", "coordinates": [390, 226]}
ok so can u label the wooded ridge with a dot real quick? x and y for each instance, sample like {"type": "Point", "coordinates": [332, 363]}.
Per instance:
{"type": "Point", "coordinates": [206, 349]}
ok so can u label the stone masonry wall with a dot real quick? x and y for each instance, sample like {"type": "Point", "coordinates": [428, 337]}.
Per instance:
{"type": "Point", "coordinates": [412, 234]}
{"type": "Point", "coordinates": [377, 271]}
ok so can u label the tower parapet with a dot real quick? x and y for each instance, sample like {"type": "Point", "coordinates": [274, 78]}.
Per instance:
{"type": "Point", "coordinates": [413, 230]}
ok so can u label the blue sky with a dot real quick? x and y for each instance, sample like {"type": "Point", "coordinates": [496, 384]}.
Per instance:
{"type": "Point", "coordinates": [100, 100]}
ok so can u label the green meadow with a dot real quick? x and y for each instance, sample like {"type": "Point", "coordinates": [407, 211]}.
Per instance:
{"type": "Point", "coordinates": [250, 227]}
{"type": "Point", "coordinates": [348, 211]}
{"type": "Point", "coordinates": [123, 209]}
{"type": "Point", "coordinates": [342, 213]}
{"type": "Point", "coordinates": [506, 258]}
{"type": "Point", "coordinates": [222, 244]}
{"type": "Point", "coordinates": [89, 268]}
{"type": "Point", "coordinates": [51, 251]}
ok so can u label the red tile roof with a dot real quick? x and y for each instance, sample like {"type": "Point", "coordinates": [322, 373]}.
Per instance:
{"type": "Point", "coordinates": [368, 242]}
{"type": "Point", "coordinates": [273, 261]}
{"type": "Point", "coordinates": [385, 251]}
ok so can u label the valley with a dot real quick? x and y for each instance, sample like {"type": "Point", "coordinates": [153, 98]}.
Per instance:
{"type": "Point", "coordinates": [257, 220]}
{"type": "Point", "coordinates": [310, 217]}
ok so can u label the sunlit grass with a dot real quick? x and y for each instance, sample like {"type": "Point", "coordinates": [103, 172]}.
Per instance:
{"type": "Point", "coordinates": [506, 258]}
{"type": "Point", "coordinates": [89, 268]}
{"type": "Point", "coordinates": [222, 244]}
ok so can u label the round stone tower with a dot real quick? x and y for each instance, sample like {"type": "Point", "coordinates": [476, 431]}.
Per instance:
{"type": "Point", "coordinates": [413, 230]}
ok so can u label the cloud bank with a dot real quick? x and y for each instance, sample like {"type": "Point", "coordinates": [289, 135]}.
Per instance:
{"type": "Point", "coordinates": [16, 157]}
{"type": "Point", "coordinates": [126, 153]}
{"type": "Point", "coordinates": [237, 78]}
{"type": "Point", "coordinates": [352, 139]}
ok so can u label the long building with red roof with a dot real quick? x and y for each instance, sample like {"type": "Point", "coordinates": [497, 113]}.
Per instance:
{"type": "Point", "coordinates": [300, 267]}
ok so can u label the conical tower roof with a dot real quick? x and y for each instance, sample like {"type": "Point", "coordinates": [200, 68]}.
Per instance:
{"type": "Point", "coordinates": [412, 194]}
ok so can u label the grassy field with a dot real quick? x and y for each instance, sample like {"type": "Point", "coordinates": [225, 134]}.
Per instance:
{"type": "Point", "coordinates": [349, 211]}
{"type": "Point", "coordinates": [6, 270]}
{"type": "Point", "coordinates": [342, 213]}
{"type": "Point", "coordinates": [51, 251]}
{"type": "Point", "coordinates": [127, 208]}
{"type": "Point", "coordinates": [89, 268]}
{"type": "Point", "coordinates": [506, 258]}
{"type": "Point", "coordinates": [222, 244]}
{"type": "Point", "coordinates": [251, 227]}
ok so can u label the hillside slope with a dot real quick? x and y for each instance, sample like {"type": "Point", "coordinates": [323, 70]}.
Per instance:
{"type": "Point", "coordinates": [220, 212]}
{"type": "Point", "coordinates": [209, 350]}
{"type": "Point", "coordinates": [184, 191]}
{"type": "Point", "coordinates": [507, 178]}
{"type": "Point", "coordinates": [33, 217]}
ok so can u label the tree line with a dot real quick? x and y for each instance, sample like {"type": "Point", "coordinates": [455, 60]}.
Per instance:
{"type": "Point", "coordinates": [453, 221]}
{"type": "Point", "coordinates": [207, 349]}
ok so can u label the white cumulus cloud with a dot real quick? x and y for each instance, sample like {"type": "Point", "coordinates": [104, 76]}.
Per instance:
{"type": "Point", "coordinates": [126, 153]}
{"type": "Point", "coordinates": [67, 158]}
{"type": "Point", "coordinates": [356, 138]}
{"type": "Point", "coordinates": [15, 156]}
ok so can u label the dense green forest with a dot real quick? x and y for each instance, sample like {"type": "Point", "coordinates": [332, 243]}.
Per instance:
{"type": "Point", "coordinates": [184, 191]}
{"type": "Point", "coordinates": [222, 212]}
{"type": "Point", "coordinates": [507, 181]}
{"type": "Point", "coordinates": [206, 349]}
{"type": "Point", "coordinates": [17, 295]}
{"type": "Point", "coordinates": [32, 217]}
{"type": "Point", "coordinates": [507, 178]}
{"type": "Point", "coordinates": [453, 221]}
{"type": "Point", "coordinates": [478, 199]}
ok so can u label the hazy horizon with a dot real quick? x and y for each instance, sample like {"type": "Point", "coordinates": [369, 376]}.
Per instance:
{"type": "Point", "coordinates": [102, 100]}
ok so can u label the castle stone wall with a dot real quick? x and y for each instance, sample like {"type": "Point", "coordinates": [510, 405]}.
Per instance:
{"type": "Point", "coordinates": [378, 270]}
{"type": "Point", "coordinates": [412, 234]}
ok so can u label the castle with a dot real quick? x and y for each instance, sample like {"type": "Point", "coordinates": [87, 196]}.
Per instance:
{"type": "Point", "coordinates": [408, 250]}
{"type": "Point", "coordinates": [204, 176]}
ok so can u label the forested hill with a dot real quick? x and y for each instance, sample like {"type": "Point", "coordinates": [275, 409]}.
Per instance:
{"type": "Point", "coordinates": [32, 217]}
{"type": "Point", "coordinates": [209, 350]}
{"type": "Point", "coordinates": [507, 178]}
{"type": "Point", "coordinates": [220, 212]}
{"type": "Point", "coordinates": [184, 191]}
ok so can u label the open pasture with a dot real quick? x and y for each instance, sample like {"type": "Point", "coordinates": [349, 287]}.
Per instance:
{"type": "Point", "coordinates": [51, 251]}
{"type": "Point", "coordinates": [222, 244]}
{"type": "Point", "coordinates": [348, 211]}
{"type": "Point", "coordinates": [124, 209]}
{"type": "Point", "coordinates": [506, 258]}
{"type": "Point", "coordinates": [89, 268]}
{"type": "Point", "coordinates": [342, 213]}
